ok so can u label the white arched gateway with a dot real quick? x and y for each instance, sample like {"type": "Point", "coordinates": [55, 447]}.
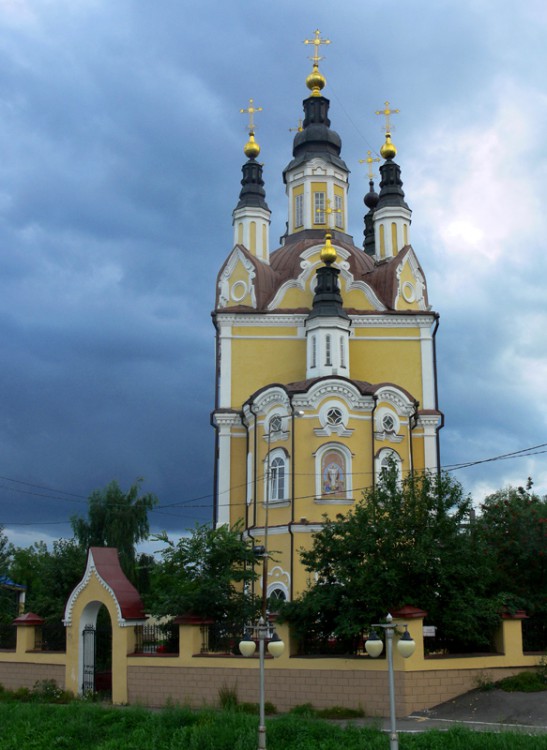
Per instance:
{"type": "Point", "coordinates": [104, 584]}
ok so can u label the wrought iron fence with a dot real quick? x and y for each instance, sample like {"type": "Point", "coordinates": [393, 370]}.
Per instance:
{"type": "Point", "coordinates": [8, 636]}
{"type": "Point", "coordinates": [319, 644]}
{"type": "Point", "coordinates": [51, 636]}
{"type": "Point", "coordinates": [157, 638]}
{"type": "Point", "coordinates": [220, 638]}
{"type": "Point", "coordinates": [534, 634]}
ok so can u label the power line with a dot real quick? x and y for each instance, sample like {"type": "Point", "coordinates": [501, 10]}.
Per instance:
{"type": "Point", "coordinates": [193, 503]}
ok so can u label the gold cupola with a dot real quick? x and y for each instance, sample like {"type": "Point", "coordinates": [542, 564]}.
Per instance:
{"type": "Point", "coordinates": [328, 251]}
{"type": "Point", "coordinates": [251, 149]}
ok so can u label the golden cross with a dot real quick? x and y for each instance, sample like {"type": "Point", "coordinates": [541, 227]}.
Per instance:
{"type": "Point", "coordinates": [299, 129]}
{"type": "Point", "coordinates": [369, 161]}
{"type": "Point", "coordinates": [328, 211]}
{"type": "Point", "coordinates": [251, 109]}
{"type": "Point", "coordinates": [386, 113]}
{"type": "Point", "coordinates": [316, 42]}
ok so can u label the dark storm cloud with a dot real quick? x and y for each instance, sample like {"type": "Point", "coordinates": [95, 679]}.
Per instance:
{"type": "Point", "coordinates": [121, 144]}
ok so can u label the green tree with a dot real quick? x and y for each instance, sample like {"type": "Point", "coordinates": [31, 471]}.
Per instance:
{"type": "Point", "coordinates": [8, 599]}
{"type": "Point", "coordinates": [404, 543]}
{"type": "Point", "coordinates": [206, 574]}
{"type": "Point", "coordinates": [513, 526]}
{"type": "Point", "coordinates": [49, 575]}
{"type": "Point", "coordinates": [116, 519]}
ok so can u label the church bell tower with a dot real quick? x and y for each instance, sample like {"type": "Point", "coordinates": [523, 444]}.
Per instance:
{"type": "Point", "coordinates": [325, 357]}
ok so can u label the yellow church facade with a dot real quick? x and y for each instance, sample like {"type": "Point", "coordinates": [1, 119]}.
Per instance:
{"type": "Point", "coordinates": [325, 363]}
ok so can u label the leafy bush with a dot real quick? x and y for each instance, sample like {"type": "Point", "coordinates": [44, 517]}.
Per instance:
{"type": "Point", "coordinates": [524, 682]}
{"type": "Point", "coordinates": [340, 712]}
{"type": "Point", "coordinates": [227, 697]}
{"type": "Point", "coordinates": [307, 711]}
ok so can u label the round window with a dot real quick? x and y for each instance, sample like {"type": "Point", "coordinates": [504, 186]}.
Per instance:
{"type": "Point", "coordinates": [388, 423]}
{"type": "Point", "coordinates": [276, 423]}
{"type": "Point", "coordinates": [334, 417]}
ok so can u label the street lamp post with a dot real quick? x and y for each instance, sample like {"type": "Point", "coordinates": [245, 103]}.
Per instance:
{"type": "Point", "coordinates": [262, 631]}
{"type": "Point", "coordinates": [276, 425]}
{"type": "Point", "coordinates": [405, 646]}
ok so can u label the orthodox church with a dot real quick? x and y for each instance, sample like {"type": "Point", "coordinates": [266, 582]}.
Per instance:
{"type": "Point", "coordinates": [325, 351]}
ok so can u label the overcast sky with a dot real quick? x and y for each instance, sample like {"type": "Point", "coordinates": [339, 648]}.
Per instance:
{"type": "Point", "coordinates": [121, 149]}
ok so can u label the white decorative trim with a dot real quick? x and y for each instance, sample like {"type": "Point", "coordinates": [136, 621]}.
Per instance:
{"type": "Point", "coordinates": [224, 291]}
{"type": "Point", "coordinates": [336, 501]}
{"type": "Point", "coordinates": [428, 369]}
{"type": "Point", "coordinates": [271, 398]}
{"type": "Point", "coordinates": [224, 361]}
{"type": "Point", "coordinates": [417, 289]}
{"type": "Point", "coordinates": [303, 528]}
{"type": "Point", "coordinates": [223, 419]}
{"type": "Point", "coordinates": [428, 420]}
{"type": "Point", "coordinates": [90, 571]}
{"type": "Point", "coordinates": [395, 320]}
{"type": "Point", "coordinates": [273, 320]}
{"type": "Point", "coordinates": [281, 580]}
{"type": "Point", "coordinates": [389, 437]}
{"type": "Point", "coordinates": [338, 388]}
{"type": "Point", "coordinates": [400, 401]}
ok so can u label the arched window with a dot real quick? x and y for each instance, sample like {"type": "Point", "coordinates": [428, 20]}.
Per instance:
{"type": "Point", "coordinates": [278, 489]}
{"type": "Point", "coordinates": [328, 353]}
{"type": "Point", "coordinates": [385, 459]}
{"type": "Point", "coordinates": [277, 479]}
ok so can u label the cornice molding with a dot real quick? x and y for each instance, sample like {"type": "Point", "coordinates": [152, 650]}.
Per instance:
{"type": "Point", "coordinates": [393, 320]}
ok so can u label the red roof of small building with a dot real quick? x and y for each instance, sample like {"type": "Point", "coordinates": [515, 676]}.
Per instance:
{"type": "Point", "coordinates": [29, 618]}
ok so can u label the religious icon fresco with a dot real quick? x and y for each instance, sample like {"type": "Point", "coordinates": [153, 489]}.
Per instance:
{"type": "Point", "coordinates": [333, 474]}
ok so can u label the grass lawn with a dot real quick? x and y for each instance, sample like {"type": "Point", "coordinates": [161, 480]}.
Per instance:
{"type": "Point", "coordinates": [83, 726]}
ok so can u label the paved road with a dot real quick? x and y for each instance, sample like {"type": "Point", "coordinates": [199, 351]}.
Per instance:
{"type": "Point", "coordinates": [484, 710]}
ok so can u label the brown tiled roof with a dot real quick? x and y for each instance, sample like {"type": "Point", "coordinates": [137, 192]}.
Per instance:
{"type": "Point", "coordinates": [285, 264]}
{"type": "Point", "coordinates": [302, 386]}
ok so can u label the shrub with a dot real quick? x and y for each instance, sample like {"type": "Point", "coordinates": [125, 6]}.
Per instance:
{"type": "Point", "coordinates": [523, 682]}
{"type": "Point", "coordinates": [340, 712]}
{"type": "Point", "coordinates": [227, 697]}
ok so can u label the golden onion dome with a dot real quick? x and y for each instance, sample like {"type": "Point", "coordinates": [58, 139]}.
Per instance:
{"type": "Point", "coordinates": [328, 252]}
{"type": "Point", "coordinates": [388, 150]}
{"type": "Point", "coordinates": [316, 81]}
{"type": "Point", "coordinates": [251, 149]}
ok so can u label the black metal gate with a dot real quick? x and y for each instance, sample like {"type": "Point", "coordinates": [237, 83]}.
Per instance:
{"type": "Point", "coordinates": [89, 655]}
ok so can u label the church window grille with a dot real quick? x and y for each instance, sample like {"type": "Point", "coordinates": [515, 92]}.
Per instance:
{"type": "Point", "coordinates": [388, 423]}
{"type": "Point", "coordinates": [328, 354]}
{"type": "Point", "coordinates": [319, 207]}
{"type": "Point", "coordinates": [339, 218]}
{"type": "Point", "coordinates": [313, 351]}
{"type": "Point", "coordinates": [342, 353]}
{"type": "Point", "coordinates": [334, 416]}
{"type": "Point", "coordinates": [276, 423]}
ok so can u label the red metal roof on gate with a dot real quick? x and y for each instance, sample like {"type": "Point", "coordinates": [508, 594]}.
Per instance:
{"type": "Point", "coordinates": [107, 565]}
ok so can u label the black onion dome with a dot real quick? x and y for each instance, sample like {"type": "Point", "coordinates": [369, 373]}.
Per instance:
{"type": "Point", "coordinates": [252, 191]}
{"type": "Point", "coordinates": [371, 198]}
{"type": "Point", "coordinates": [316, 139]}
{"type": "Point", "coordinates": [391, 186]}
{"type": "Point", "coordinates": [327, 300]}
